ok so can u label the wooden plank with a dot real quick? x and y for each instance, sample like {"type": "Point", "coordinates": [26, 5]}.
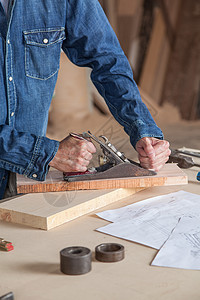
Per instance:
{"type": "Point", "coordinates": [169, 175]}
{"type": "Point", "coordinates": [153, 53]}
{"type": "Point", "coordinates": [156, 61]}
{"type": "Point", "coordinates": [128, 7]}
{"type": "Point", "coordinates": [49, 210]}
{"type": "Point", "coordinates": [183, 74]}
{"type": "Point", "coordinates": [165, 51]}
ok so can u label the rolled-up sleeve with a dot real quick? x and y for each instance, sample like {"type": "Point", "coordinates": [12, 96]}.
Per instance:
{"type": "Point", "coordinates": [92, 43]}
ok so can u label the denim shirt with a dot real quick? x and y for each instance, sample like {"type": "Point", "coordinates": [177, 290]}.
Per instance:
{"type": "Point", "coordinates": [31, 38]}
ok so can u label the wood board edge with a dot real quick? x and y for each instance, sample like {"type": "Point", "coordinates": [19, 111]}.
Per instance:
{"type": "Point", "coordinates": [21, 218]}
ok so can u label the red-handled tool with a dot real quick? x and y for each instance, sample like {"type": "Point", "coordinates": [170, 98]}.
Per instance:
{"type": "Point", "coordinates": [5, 245]}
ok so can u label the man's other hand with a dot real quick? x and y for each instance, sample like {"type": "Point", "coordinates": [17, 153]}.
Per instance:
{"type": "Point", "coordinates": [153, 153]}
{"type": "Point", "coordinates": [73, 155]}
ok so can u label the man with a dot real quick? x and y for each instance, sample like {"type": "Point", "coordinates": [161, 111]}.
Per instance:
{"type": "Point", "coordinates": [32, 34]}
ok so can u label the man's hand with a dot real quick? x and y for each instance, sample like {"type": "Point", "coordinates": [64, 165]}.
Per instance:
{"type": "Point", "coordinates": [153, 153]}
{"type": "Point", "coordinates": [73, 155]}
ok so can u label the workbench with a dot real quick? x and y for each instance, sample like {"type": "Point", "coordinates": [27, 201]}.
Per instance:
{"type": "Point", "coordinates": [32, 272]}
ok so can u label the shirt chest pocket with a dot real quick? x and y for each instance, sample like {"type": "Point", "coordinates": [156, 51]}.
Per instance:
{"type": "Point", "coordinates": [42, 52]}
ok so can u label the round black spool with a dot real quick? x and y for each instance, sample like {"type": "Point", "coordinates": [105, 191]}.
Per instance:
{"type": "Point", "coordinates": [75, 260]}
{"type": "Point", "coordinates": [109, 252]}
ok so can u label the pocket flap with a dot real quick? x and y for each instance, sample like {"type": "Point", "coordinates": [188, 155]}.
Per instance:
{"type": "Point", "coordinates": [44, 38]}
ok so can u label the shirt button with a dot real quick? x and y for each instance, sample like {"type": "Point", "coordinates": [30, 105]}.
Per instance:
{"type": "Point", "coordinates": [45, 41]}
{"type": "Point", "coordinates": [12, 114]}
{"type": "Point", "coordinates": [34, 175]}
{"type": "Point", "coordinates": [8, 41]}
{"type": "Point", "coordinates": [10, 78]}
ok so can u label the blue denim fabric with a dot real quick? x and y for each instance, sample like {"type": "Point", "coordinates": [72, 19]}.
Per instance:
{"type": "Point", "coordinates": [31, 37]}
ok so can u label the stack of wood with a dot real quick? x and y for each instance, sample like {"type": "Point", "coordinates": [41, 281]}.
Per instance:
{"type": "Point", "coordinates": [182, 84]}
{"type": "Point", "coordinates": [162, 40]}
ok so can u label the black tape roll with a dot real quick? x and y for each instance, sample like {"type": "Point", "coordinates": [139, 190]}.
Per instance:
{"type": "Point", "coordinates": [75, 260]}
{"type": "Point", "coordinates": [109, 252]}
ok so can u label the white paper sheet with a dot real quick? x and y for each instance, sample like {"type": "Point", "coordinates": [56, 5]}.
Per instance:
{"type": "Point", "coordinates": [150, 232]}
{"type": "Point", "coordinates": [150, 222]}
{"type": "Point", "coordinates": [182, 249]}
{"type": "Point", "coordinates": [177, 202]}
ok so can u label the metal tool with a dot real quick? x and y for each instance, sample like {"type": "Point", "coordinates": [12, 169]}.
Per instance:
{"type": "Point", "coordinates": [5, 245]}
{"type": "Point", "coordinates": [112, 163]}
{"type": "Point", "coordinates": [190, 153]}
{"type": "Point", "coordinates": [182, 161]}
{"type": "Point", "coordinates": [111, 154]}
{"type": "Point", "coordinates": [109, 252]}
{"type": "Point", "coordinates": [8, 296]}
{"type": "Point", "coordinates": [75, 260]}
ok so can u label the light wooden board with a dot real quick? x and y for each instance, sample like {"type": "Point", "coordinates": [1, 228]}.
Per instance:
{"type": "Point", "coordinates": [48, 210]}
{"type": "Point", "coordinates": [169, 175]}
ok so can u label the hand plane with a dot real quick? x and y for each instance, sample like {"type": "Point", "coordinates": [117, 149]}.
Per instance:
{"type": "Point", "coordinates": [112, 163]}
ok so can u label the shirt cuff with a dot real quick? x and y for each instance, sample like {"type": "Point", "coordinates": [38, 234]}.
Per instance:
{"type": "Point", "coordinates": [44, 151]}
{"type": "Point", "coordinates": [141, 129]}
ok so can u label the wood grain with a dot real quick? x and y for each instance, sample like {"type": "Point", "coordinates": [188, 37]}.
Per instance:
{"type": "Point", "coordinates": [158, 53]}
{"type": "Point", "coordinates": [49, 210]}
{"type": "Point", "coordinates": [169, 175]}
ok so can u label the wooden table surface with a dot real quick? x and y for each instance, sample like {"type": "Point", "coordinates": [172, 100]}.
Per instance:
{"type": "Point", "coordinates": [32, 272]}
